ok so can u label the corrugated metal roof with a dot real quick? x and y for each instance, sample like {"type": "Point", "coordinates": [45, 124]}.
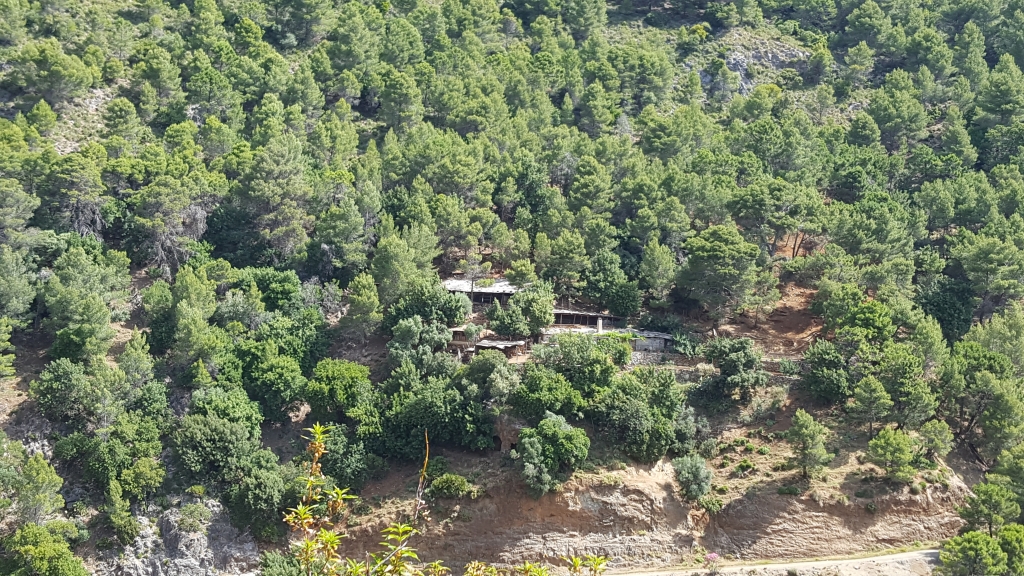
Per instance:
{"type": "Point", "coordinates": [500, 286]}
{"type": "Point", "coordinates": [651, 334]}
{"type": "Point", "coordinates": [581, 313]}
{"type": "Point", "coordinates": [500, 344]}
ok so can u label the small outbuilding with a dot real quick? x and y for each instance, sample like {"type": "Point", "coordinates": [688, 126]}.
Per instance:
{"type": "Point", "coordinates": [565, 317]}
{"type": "Point", "coordinates": [649, 341]}
{"type": "Point", "coordinates": [509, 348]}
{"type": "Point", "coordinates": [482, 292]}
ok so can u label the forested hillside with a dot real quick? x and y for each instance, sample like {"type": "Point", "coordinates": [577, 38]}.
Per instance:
{"type": "Point", "coordinates": [200, 200]}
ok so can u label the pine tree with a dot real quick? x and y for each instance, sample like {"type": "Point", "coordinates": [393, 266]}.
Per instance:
{"type": "Point", "coordinates": [657, 271]}
{"type": "Point", "coordinates": [969, 54]}
{"type": "Point", "coordinates": [364, 313]}
{"type": "Point", "coordinates": [808, 440]}
{"type": "Point", "coordinates": [892, 450]}
{"type": "Point", "coordinates": [597, 110]}
{"type": "Point", "coordinates": [1001, 94]}
{"type": "Point", "coordinates": [6, 360]}
{"type": "Point", "coordinates": [956, 140]}
{"type": "Point", "coordinates": [39, 494]}
{"type": "Point", "coordinates": [871, 403]}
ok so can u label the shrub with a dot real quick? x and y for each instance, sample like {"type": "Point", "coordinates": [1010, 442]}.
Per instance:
{"type": "Point", "coordinates": [744, 467]}
{"type": "Point", "coordinates": [693, 475]}
{"type": "Point", "coordinates": [827, 376]}
{"type": "Point", "coordinates": [788, 367]}
{"type": "Point", "coordinates": [764, 450]}
{"type": "Point", "coordinates": [710, 504]}
{"type": "Point", "coordinates": [437, 467]}
{"type": "Point", "coordinates": [194, 517]}
{"type": "Point", "coordinates": [450, 486]}
{"type": "Point", "coordinates": [347, 462]}
{"type": "Point", "coordinates": [708, 448]}
{"type": "Point", "coordinates": [552, 449]}
{"type": "Point", "coordinates": [789, 490]}
{"type": "Point", "coordinates": [739, 363]}
{"type": "Point", "coordinates": [687, 345]}
{"type": "Point", "coordinates": [276, 564]}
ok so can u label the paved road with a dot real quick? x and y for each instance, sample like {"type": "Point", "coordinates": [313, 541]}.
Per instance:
{"type": "Point", "coordinates": [916, 562]}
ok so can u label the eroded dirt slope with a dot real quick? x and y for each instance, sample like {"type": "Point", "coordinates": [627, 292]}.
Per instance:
{"type": "Point", "coordinates": [780, 527]}
{"type": "Point", "coordinates": [636, 517]}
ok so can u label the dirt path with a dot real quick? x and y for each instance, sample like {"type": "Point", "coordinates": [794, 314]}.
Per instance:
{"type": "Point", "coordinates": [915, 563]}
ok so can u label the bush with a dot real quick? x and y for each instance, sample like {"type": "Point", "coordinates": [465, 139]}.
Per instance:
{"type": "Point", "coordinates": [740, 368]}
{"type": "Point", "coordinates": [437, 467]}
{"type": "Point", "coordinates": [644, 416]}
{"type": "Point", "coordinates": [551, 450]}
{"type": "Point", "coordinates": [744, 467]}
{"type": "Point", "coordinates": [788, 367]}
{"type": "Point", "coordinates": [693, 475]}
{"type": "Point", "coordinates": [543, 390]}
{"type": "Point", "coordinates": [708, 448]}
{"type": "Point", "coordinates": [276, 564]}
{"type": "Point", "coordinates": [346, 461]}
{"type": "Point", "coordinates": [789, 490]}
{"type": "Point", "coordinates": [194, 517]}
{"type": "Point", "coordinates": [449, 486]}
{"type": "Point", "coordinates": [827, 376]}
{"type": "Point", "coordinates": [710, 504]}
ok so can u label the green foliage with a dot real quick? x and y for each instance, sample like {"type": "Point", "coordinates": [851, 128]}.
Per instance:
{"type": "Point", "coordinates": [449, 485]}
{"type": "Point", "coordinates": [989, 508]}
{"type": "Point", "coordinates": [290, 167]}
{"type": "Point", "coordinates": [428, 300]}
{"type": "Point", "coordinates": [644, 414]}
{"type": "Point", "coordinates": [6, 360]}
{"type": "Point", "coordinates": [64, 391]}
{"type": "Point", "coordinates": [193, 517]}
{"type": "Point", "coordinates": [710, 504]}
{"type": "Point", "coordinates": [974, 553]}
{"type": "Point", "coordinates": [338, 387]}
{"type": "Point", "coordinates": [35, 549]}
{"type": "Point", "coordinates": [119, 515]}
{"type": "Point", "coordinates": [346, 461]}
{"type": "Point", "coordinates": [739, 365]}
{"type": "Point", "coordinates": [528, 312]}
{"type": "Point", "coordinates": [720, 270]}
{"type": "Point", "coordinates": [827, 375]}
{"type": "Point", "coordinates": [808, 440]}
{"type": "Point", "coordinates": [1011, 541]}
{"type": "Point", "coordinates": [871, 402]}
{"type": "Point", "coordinates": [893, 451]}
{"type": "Point", "coordinates": [693, 475]}
{"type": "Point", "coordinates": [209, 447]}
{"type": "Point", "coordinates": [38, 491]}
{"type": "Point", "coordinates": [542, 390]}
{"type": "Point", "coordinates": [277, 564]}
{"type": "Point", "coordinates": [550, 451]}
{"type": "Point", "coordinates": [936, 438]}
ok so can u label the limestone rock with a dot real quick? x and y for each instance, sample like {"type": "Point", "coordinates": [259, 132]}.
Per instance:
{"type": "Point", "coordinates": [163, 549]}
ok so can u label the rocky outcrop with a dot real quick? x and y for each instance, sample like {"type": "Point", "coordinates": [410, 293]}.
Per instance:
{"type": "Point", "coordinates": [164, 549]}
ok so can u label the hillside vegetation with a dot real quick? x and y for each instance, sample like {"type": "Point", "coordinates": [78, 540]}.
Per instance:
{"type": "Point", "coordinates": [202, 202]}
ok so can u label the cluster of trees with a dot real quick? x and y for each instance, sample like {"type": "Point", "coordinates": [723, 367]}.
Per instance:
{"type": "Point", "coordinates": [281, 165]}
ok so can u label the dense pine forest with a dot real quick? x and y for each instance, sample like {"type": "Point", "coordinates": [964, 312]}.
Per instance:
{"type": "Point", "coordinates": [247, 185]}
